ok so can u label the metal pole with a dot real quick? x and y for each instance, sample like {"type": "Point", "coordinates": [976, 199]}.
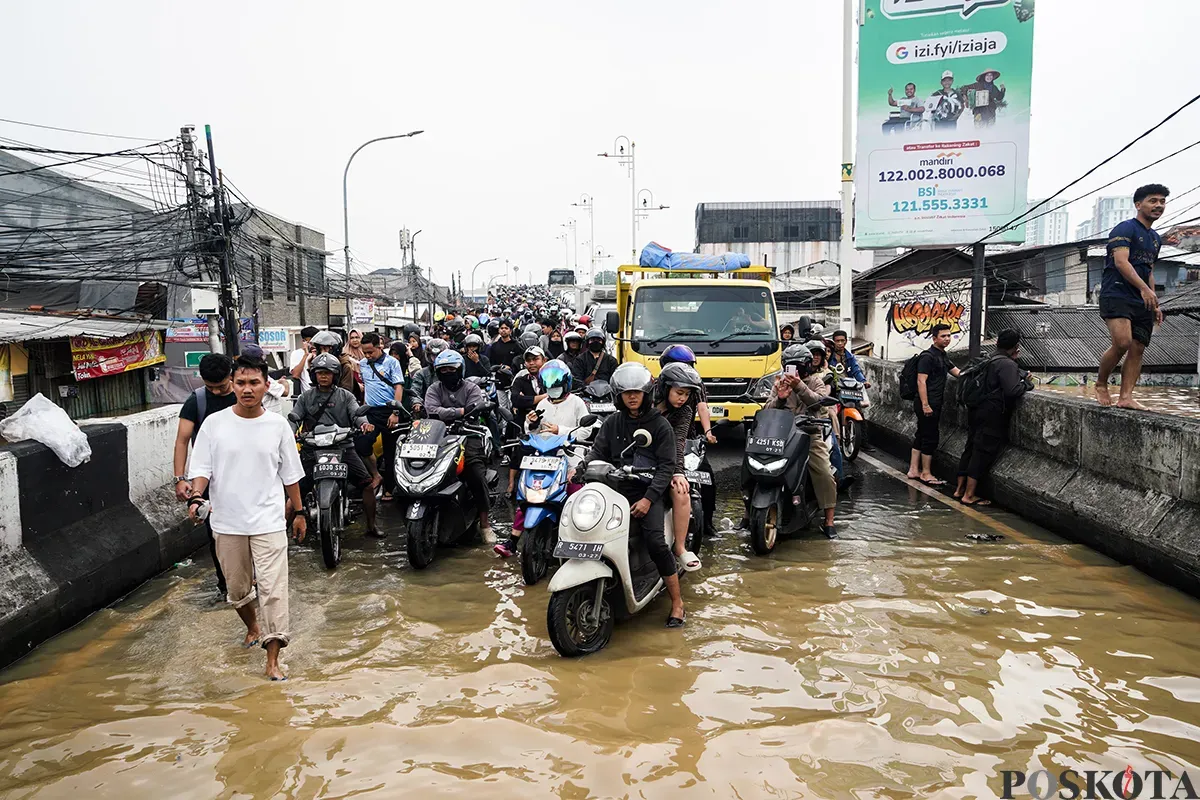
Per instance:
{"type": "Point", "coordinates": [846, 252]}
{"type": "Point", "coordinates": [591, 240]}
{"type": "Point", "coordinates": [346, 206]}
{"type": "Point", "coordinates": [977, 281]}
{"type": "Point", "coordinates": [485, 261]}
{"type": "Point", "coordinates": [633, 203]}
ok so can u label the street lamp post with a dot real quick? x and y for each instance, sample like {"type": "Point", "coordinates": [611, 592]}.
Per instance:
{"type": "Point", "coordinates": [485, 261]}
{"type": "Point", "coordinates": [570, 226]}
{"type": "Point", "coordinates": [623, 153]}
{"type": "Point", "coordinates": [645, 204]}
{"type": "Point", "coordinates": [346, 205]}
{"type": "Point", "coordinates": [585, 201]}
{"type": "Point", "coordinates": [566, 237]}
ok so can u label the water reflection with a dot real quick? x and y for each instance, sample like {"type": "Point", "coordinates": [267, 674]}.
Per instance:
{"type": "Point", "coordinates": [900, 660]}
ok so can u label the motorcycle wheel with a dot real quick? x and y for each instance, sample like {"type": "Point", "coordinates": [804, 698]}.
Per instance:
{"type": "Point", "coordinates": [695, 531]}
{"type": "Point", "coordinates": [535, 548]}
{"type": "Point", "coordinates": [764, 529]}
{"type": "Point", "coordinates": [422, 537]}
{"type": "Point", "coordinates": [568, 620]}
{"type": "Point", "coordinates": [331, 541]}
{"type": "Point", "coordinates": [850, 439]}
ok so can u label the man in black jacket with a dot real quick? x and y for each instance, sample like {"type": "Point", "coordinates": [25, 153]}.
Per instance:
{"type": "Point", "coordinates": [593, 364]}
{"type": "Point", "coordinates": [987, 423]}
{"type": "Point", "coordinates": [506, 348]}
{"type": "Point", "coordinates": [632, 386]}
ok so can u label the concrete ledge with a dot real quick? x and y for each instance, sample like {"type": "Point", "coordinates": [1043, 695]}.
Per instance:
{"type": "Point", "coordinates": [1124, 483]}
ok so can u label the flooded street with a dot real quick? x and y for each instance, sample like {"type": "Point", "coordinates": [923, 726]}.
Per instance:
{"type": "Point", "coordinates": [904, 659]}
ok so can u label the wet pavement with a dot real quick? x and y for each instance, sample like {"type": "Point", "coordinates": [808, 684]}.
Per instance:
{"type": "Point", "coordinates": [904, 659]}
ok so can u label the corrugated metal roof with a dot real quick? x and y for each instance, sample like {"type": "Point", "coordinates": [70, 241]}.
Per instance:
{"type": "Point", "coordinates": [1183, 301]}
{"type": "Point", "coordinates": [16, 326]}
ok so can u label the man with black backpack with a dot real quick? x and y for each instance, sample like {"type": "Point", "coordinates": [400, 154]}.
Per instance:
{"type": "Point", "coordinates": [989, 391]}
{"type": "Point", "coordinates": [216, 370]}
{"type": "Point", "coordinates": [931, 368]}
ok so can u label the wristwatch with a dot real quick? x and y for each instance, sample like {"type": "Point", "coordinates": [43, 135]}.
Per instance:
{"type": "Point", "coordinates": [179, 478]}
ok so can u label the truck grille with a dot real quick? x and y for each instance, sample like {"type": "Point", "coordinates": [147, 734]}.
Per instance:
{"type": "Point", "coordinates": [726, 388]}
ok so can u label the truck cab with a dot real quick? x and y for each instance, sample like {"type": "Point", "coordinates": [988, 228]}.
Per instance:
{"type": "Point", "coordinates": [727, 318]}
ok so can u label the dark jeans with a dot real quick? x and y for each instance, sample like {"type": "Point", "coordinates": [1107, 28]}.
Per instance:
{"type": "Point", "coordinates": [928, 430]}
{"type": "Point", "coordinates": [653, 531]}
{"type": "Point", "coordinates": [475, 473]}
{"type": "Point", "coordinates": [986, 437]}
{"type": "Point", "coordinates": [364, 444]}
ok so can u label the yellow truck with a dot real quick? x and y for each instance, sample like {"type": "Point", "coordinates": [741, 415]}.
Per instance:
{"type": "Point", "coordinates": [727, 318]}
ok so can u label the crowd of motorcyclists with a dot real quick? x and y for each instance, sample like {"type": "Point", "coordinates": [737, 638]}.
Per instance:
{"type": "Point", "coordinates": [509, 387]}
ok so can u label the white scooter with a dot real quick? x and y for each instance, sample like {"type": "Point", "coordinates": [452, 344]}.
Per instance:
{"type": "Point", "coordinates": [603, 576]}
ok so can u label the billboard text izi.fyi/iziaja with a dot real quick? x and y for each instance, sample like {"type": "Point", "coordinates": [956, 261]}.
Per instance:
{"type": "Point", "coordinates": [943, 121]}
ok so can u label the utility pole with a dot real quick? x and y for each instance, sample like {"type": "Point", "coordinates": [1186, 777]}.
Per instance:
{"type": "Point", "coordinates": [846, 252]}
{"type": "Point", "coordinates": [196, 205]}
{"type": "Point", "coordinates": [977, 285]}
{"type": "Point", "coordinates": [229, 309]}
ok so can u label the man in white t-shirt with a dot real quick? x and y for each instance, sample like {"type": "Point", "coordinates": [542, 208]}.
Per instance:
{"type": "Point", "coordinates": [298, 363]}
{"type": "Point", "coordinates": [247, 459]}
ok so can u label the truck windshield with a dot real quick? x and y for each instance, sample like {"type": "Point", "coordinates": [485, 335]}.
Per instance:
{"type": "Point", "coordinates": [561, 277]}
{"type": "Point", "coordinates": [704, 313]}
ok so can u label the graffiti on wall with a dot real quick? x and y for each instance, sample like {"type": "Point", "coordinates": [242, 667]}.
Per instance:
{"type": "Point", "coordinates": [911, 310]}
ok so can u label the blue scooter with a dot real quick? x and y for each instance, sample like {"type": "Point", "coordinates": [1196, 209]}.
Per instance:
{"type": "Point", "coordinates": [541, 492]}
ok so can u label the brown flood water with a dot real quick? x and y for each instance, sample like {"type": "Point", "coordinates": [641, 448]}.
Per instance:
{"type": "Point", "coordinates": [902, 660]}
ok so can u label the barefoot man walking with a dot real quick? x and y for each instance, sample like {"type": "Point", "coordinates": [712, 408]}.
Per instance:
{"type": "Point", "coordinates": [1128, 304]}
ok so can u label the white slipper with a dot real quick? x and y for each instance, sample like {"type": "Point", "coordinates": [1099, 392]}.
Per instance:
{"type": "Point", "coordinates": [690, 561]}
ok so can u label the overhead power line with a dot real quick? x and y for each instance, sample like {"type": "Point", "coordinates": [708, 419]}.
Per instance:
{"type": "Point", "coordinates": [73, 130]}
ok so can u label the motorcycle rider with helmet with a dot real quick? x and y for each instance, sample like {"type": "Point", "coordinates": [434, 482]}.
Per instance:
{"type": "Point", "coordinates": [795, 392]}
{"type": "Point", "coordinates": [573, 342]}
{"type": "Point", "coordinates": [594, 364]}
{"type": "Point", "coordinates": [682, 354]}
{"type": "Point", "coordinates": [676, 394]}
{"type": "Point", "coordinates": [449, 399]}
{"type": "Point", "coordinates": [476, 363]}
{"type": "Point", "coordinates": [632, 386]}
{"type": "Point", "coordinates": [559, 412]}
{"type": "Point", "coordinates": [526, 393]}
{"type": "Point", "coordinates": [329, 404]}
{"type": "Point", "coordinates": [422, 380]}
{"type": "Point", "coordinates": [330, 343]}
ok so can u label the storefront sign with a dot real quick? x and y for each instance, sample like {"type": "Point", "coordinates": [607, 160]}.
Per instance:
{"type": "Point", "coordinates": [98, 358]}
{"type": "Point", "coordinates": [362, 310]}
{"type": "Point", "coordinates": [906, 311]}
{"type": "Point", "coordinates": [273, 340]}
{"type": "Point", "coordinates": [191, 330]}
{"type": "Point", "coordinates": [943, 121]}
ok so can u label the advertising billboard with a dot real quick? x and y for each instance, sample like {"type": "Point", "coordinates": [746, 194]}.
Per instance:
{"type": "Point", "coordinates": [943, 121]}
{"type": "Point", "coordinates": [96, 358]}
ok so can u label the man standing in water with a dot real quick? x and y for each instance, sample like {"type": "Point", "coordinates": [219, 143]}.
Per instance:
{"type": "Point", "coordinates": [246, 458]}
{"type": "Point", "coordinates": [1128, 304]}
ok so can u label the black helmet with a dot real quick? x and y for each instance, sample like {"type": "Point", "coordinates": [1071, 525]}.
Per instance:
{"type": "Point", "coordinates": [327, 362]}
{"type": "Point", "coordinates": [473, 339]}
{"type": "Point", "coordinates": [529, 339]}
{"type": "Point", "coordinates": [630, 377]}
{"type": "Point", "coordinates": [800, 357]}
{"type": "Point", "coordinates": [677, 374]}
{"type": "Point", "coordinates": [411, 329]}
{"type": "Point", "coordinates": [493, 328]}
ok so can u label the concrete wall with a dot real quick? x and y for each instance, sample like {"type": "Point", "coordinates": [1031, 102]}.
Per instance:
{"type": "Point", "coordinates": [1123, 482]}
{"type": "Point", "coordinates": [86, 536]}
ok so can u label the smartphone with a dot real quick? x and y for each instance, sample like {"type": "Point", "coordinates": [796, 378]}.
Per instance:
{"type": "Point", "coordinates": [790, 369]}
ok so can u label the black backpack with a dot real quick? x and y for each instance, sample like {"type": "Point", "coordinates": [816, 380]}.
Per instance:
{"type": "Point", "coordinates": [972, 382]}
{"type": "Point", "coordinates": [908, 378]}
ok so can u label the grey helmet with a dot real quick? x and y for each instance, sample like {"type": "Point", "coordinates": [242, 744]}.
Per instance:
{"type": "Point", "coordinates": [799, 356]}
{"type": "Point", "coordinates": [817, 346]}
{"type": "Point", "coordinates": [435, 348]}
{"type": "Point", "coordinates": [630, 377]}
{"type": "Point", "coordinates": [676, 374]}
{"type": "Point", "coordinates": [326, 361]}
{"type": "Point", "coordinates": [595, 333]}
{"type": "Point", "coordinates": [530, 339]}
{"type": "Point", "coordinates": [473, 339]}
{"type": "Point", "coordinates": [326, 339]}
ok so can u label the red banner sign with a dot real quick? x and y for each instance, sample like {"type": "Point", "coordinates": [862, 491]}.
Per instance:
{"type": "Point", "coordinates": [98, 358]}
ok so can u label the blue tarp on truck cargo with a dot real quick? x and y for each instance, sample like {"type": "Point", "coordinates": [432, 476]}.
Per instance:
{"type": "Point", "coordinates": [655, 255]}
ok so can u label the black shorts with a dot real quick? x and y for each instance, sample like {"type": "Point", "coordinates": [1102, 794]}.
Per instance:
{"type": "Point", "coordinates": [1141, 319]}
{"type": "Point", "coordinates": [364, 443]}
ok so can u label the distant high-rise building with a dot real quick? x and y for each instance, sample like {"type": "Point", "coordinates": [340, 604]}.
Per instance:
{"type": "Point", "coordinates": [1051, 224]}
{"type": "Point", "coordinates": [1109, 211]}
{"type": "Point", "coordinates": [1084, 230]}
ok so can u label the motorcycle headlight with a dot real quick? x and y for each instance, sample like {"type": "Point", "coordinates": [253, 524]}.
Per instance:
{"type": "Point", "coordinates": [761, 389]}
{"type": "Point", "coordinates": [769, 466]}
{"type": "Point", "coordinates": [587, 511]}
{"type": "Point", "coordinates": [535, 496]}
{"type": "Point", "coordinates": [324, 440]}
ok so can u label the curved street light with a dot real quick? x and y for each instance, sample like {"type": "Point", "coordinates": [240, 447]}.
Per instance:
{"type": "Point", "coordinates": [346, 204]}
{"type": "Point", "coordinates": [485, 261]}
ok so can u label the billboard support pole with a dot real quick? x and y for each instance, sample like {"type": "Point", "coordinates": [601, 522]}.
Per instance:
{"type": "Point", "coordinates": [846, 253]}
{"type": "Point", "coordinates": [977, 280]}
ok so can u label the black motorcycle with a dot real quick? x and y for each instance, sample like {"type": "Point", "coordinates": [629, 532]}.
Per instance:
{"type": "Point", "coordinates": [440, 507]}
{"type": "Point", "coordinates": [699, 476]}
{"type": "Point", "coordinates": [782, 499]}
{"type": "Point", "coordinates": [327, 503]}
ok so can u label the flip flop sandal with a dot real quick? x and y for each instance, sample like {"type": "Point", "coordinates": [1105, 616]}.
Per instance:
{"type": "Point", "coordinates": [691, 562]}
{"type": "Point", "coordinates": [675, 622]}
{"type": "Point", "coordinates": [934, 482]}
{"type": "Point", "coordinates": [251, 644]}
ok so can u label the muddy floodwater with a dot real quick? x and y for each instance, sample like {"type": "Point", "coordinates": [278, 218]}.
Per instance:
{"type": "Point", "coordinates": [905, 659]}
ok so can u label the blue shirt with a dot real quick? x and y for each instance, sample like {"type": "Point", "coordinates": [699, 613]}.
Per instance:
{"type": "Point", "coordinates": [850, 363]}
{"type": "Point", "coordinates": [1143, 244]}
{"type": "Point", "coordinates": [380, 392]}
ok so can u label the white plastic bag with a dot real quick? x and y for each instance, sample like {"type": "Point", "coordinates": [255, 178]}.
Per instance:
{"type": "Point", "coordinates": [43, 421]}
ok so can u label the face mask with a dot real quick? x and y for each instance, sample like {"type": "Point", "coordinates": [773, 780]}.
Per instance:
{"type": "Point", "coordinates": [596, 346]}
{"type": "Point", "coordinates": [451, 380]}
{"type": "Point", "coordinates": [555, 392]}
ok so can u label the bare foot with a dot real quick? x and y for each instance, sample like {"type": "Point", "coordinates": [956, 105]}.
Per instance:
{"type": "Point", "coordinates": [1129, 402]}
{"type": "Point", "coordinates": [975, 501]}
{"type": "Point", "coordinates": [251, 637]}
{"type": "Point", "coordinates": [274, 672]}
{"type": "Point", "coordinates": [376, 480]}
{"type": "Point", "coordinates": [916, 476]}
{"type": "Point", "coordinates": [1102, 395]}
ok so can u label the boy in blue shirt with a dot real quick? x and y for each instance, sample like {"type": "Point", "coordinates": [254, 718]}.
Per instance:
{"type": "Point", "coordinates": [1128, 304]}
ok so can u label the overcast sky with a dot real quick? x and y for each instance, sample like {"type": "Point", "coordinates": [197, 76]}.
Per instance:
{"type": "Point", "coordinates": [725, 100]}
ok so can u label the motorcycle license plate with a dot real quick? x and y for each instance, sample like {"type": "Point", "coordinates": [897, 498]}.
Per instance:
{"type": "Point", "coordinates": [851, 396]}
{"type": "Point", "coordinates": [418, 450]}
{"type": "Point", "coordinates": [702, 478]}
{"type": "Point", "coordinates": [540, 463]}
{"type": "Point", "coordinates": [602, 408]}
{"type": "Point", "coordinates": [589, 551]}
{"type": "Point", "coordinates": [334, 470]}
{"type": "Point", "coordinates": [770, 447]}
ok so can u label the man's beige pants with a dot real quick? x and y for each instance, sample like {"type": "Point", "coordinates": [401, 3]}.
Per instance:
{"type": "Point", "coordinates": [261, 559]}
{"type": "Point", "coordinates": [820, 469]}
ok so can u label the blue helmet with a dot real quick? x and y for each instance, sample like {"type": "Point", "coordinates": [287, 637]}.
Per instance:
{"type": "Point", "coordinates": [556, 379]}
{"type": "Point", "coordinates": [677, 353]}
{"type": "Point", "coordinates": [449, 358]}
{"type": "Point", "coordinates": [484, 319]}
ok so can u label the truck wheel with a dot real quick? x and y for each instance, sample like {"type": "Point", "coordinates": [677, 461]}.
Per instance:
{"type": "Point", "coordinates": [568, 618]}
{"type": "Point", "coordinates": [764, 529]}
{"type": "Point", "coordinates": [422, 541]}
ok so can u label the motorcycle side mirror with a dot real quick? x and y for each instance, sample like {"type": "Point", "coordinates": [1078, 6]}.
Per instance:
{"type": "Point", "coordinates": [588, 420]}
{"type": "Point", "coordinates": [642, 437]}
{"type": "Point", "coordinates": [506, 415]}
{"type": "Point", "coordinates": [839, 369]}
{"type": "Point", "coordinates": [828, 401]}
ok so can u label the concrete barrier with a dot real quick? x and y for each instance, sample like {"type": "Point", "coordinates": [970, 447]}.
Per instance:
{"type": "Point", "coordinates": [1123, 482]}
{"type": "Point", "coordinates": [81, 538]}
